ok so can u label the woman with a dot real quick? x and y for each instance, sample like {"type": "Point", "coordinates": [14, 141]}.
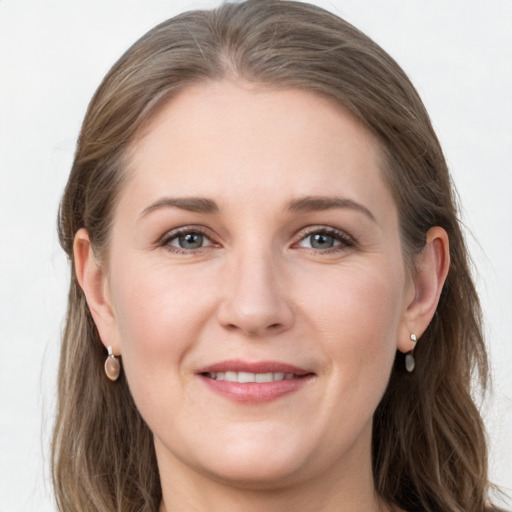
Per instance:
{"type": "Point", "coordinates": [262, 229]}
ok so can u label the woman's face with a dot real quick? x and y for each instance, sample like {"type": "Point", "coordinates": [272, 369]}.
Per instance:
{"type": "Point", "coordinates": [256, 240]}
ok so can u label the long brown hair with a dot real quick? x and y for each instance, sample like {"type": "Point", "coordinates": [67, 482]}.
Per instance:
{"type": "Point", "coordinates": [429, 447]}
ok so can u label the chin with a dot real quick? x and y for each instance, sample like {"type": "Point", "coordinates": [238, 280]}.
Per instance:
{"type": "Point", "coordinates": [258, 474]}
{"type": "Point", "coordinates": [246, 463]}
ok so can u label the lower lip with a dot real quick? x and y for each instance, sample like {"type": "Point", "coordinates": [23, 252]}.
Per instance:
{"type": "Point", "coordinates": [255, 392]}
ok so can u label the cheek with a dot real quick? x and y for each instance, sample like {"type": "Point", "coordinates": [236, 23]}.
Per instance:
{"type": "Point", "coordinates": [356, 311]}
{"type": "Point", "coordinates": [158, 319]}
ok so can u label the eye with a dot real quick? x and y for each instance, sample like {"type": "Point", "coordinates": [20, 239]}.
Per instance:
{"type": "Point", "coordinates": [321, 241]}
{"type": "Point", "coordinates": [325, 240]}
{"type": "Point", "coordinates": [186, 240]}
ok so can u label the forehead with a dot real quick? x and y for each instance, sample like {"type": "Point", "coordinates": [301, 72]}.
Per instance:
{"type": "Point", "coordinates": [237, 141]}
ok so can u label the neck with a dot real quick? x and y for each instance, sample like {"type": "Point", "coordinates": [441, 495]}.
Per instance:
{"type": "Point", "coordinates": [272, 501]}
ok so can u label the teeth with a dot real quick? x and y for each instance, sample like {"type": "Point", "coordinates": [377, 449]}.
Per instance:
{"type": "Point", "coordinates": [244, 377]}
{"type": "Point", "coordinates": [264, 377]}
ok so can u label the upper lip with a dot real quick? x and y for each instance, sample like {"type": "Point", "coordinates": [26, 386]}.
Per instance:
{"type": "Point", "coordinates": [238, 365]}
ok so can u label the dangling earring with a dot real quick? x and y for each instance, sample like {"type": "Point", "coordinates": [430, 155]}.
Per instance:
{"type": "Point", "coordinates": [112, 365]}
{"type": "Point", "coordinates": [409, 357]}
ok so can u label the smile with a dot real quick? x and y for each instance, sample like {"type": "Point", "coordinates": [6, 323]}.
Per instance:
{"type": "Point", "coordinates": [246, 377]}
{"type": "Point", "coordinates": [254, 382]}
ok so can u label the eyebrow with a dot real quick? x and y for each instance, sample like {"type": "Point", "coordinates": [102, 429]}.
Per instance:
{"type": "Point", "coordinates": [320, 203]}
{"type": "Point", "coordinates": [191, 204]}
{"type": "Point", "coordinates": [301, 204]}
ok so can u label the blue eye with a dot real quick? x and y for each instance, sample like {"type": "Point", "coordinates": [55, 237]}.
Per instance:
{"type": "Point", "coordinates": [186, 240]}
{"type": "Point", "coordinates": [325, 240]}
{"type": "Point", "coordinates": [322, 241]}
{"type": "Point", "coordinates": [189, 241]}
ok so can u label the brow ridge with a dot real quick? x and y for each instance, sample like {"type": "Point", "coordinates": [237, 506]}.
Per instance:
{"type": "Point", "coordinates": [301, 204]}
{"type": "Point", "coordinates": [320, 203]}
{"type": "Point", "coordinates": [191, 204]}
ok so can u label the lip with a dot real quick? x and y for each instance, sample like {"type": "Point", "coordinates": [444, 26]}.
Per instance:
{"type": "Point", "coordinates": [238, 365]}
{"type": "Point", "coordinates": [254, 392]}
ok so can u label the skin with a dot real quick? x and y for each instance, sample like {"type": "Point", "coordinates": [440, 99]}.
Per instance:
{"type": "Point", "coordinates": [259, 289]}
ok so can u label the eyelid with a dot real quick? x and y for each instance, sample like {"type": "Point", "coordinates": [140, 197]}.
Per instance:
{"type": "Point", "coordinates": [164, 240]}
{"type": "Point", "coordinates": [343, 237]}
{"type": "Point", "coordinates": [340, 235]}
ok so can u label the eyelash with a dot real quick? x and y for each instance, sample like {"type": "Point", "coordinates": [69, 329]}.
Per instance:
{"type": "Point", "coordinates": [345, 240]}
{"type": "Point", "coordinates": [166, 240]}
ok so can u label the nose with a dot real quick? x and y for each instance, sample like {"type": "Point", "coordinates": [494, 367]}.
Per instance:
{"type": "Point", "coordinates": [255, 299]}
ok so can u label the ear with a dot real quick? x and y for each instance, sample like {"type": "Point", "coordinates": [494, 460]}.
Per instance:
{"type": "Point", "coordinates": [93, 280]}
{"type": "Point", "coordinates": [431, 269]}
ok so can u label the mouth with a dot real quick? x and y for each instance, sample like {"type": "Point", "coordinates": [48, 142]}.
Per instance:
{"type": "Point", "coordinates": [246, 377]}
{"type": "Point", "coordinates": [249, 382]}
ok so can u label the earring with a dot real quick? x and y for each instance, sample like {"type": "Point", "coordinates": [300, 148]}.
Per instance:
{"type": "Point", "coordinates": [409, 357]}
{"type": "Point", "coordinates": [112, 365]}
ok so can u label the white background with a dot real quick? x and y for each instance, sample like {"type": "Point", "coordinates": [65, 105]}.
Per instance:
{"type": "Point", "coordinates": [53, 55]}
